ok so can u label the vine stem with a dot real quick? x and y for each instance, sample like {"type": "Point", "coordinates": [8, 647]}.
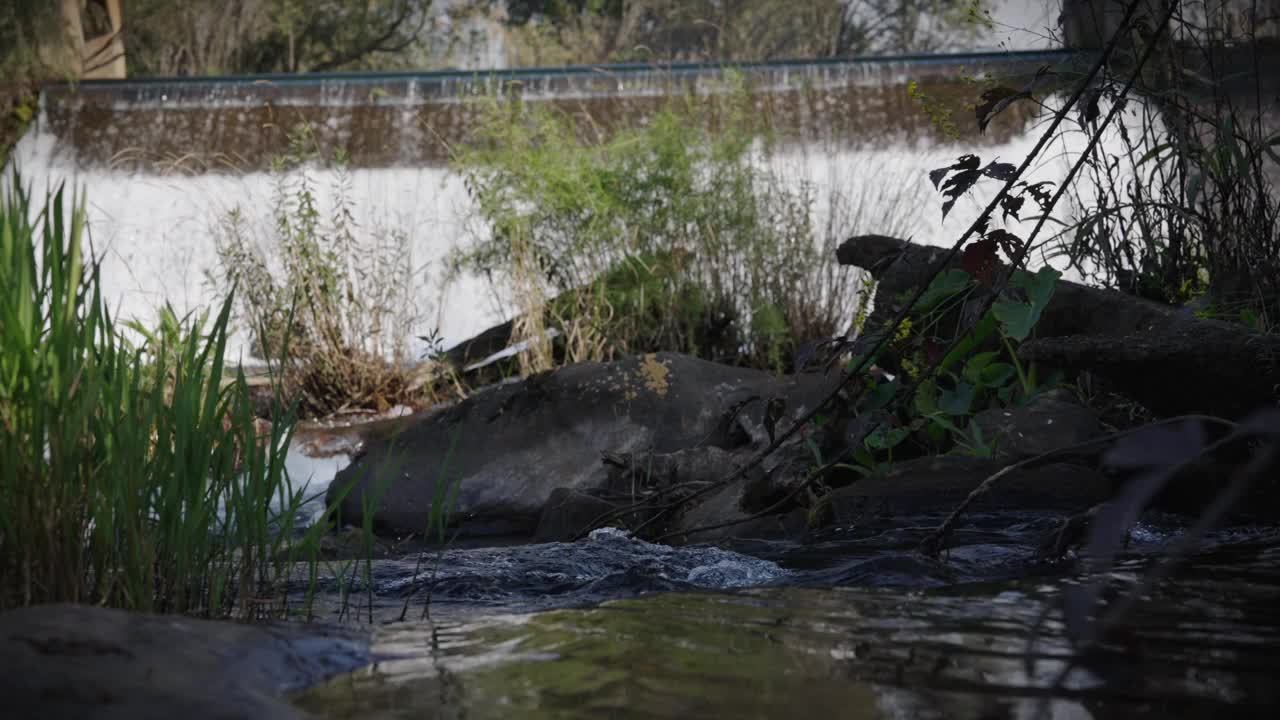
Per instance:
{"type": "Point", "coordinates": [849, 375]}
{"type": "Point", "coordinates": [931, 544]}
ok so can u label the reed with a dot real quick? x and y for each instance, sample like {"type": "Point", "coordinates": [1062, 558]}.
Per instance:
{"type": "Point", "coordinates": [134, 477]}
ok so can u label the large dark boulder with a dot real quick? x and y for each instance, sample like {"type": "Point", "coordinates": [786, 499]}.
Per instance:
{"type": "Point", "coordinates": [1164, 357]}
{"type": "Point", "coordinates": [66, 661]}
{"type": "Point", "coordinates": [939, 484]}
{"type": "Point", "coordinates": [1047, 422]}
{"type": "Point", "coordinates": [507, 448]}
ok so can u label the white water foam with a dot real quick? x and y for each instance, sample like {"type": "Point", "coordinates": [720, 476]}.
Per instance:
{"type": "Point", "coordinates": [156, 234]}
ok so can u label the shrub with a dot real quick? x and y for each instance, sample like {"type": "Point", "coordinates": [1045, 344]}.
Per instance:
{"type": "Point", "coordinates": [668, 235]}
{"type": "Point", "coordinates": [348, 290]}
{"type": "Point", "coordinates": [128, 477]}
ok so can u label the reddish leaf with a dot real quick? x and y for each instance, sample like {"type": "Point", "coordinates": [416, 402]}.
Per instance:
{"type": "Point", "coordinates": [934, 350]}
{"type": "Point", "coordinates": [1089, 106]}
{"type": "Point", "coordinates": [980, 261]}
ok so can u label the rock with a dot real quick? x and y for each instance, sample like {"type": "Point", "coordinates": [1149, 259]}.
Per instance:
{"type": "Point", "coordinates": [1047, 422]}
{"type": "Point", "coordinates": [569, 513]}
{"type": "Point", "coordinates": [508, 447]}
{"type": "Point", "coordinates": [481, 346]}
{"type": "Point", "coordinates": [65, 661]}
{"type": "Point", "coordinates": [938, 484]}
{"type": "Point", "coordinates": [721, 516]}
{"type": "Point", "coordinates": [1162, 356]}
{"type": "Point", "coordinates": [1187, 366]}
{"type": "Point", "coordinates": [900, 266]}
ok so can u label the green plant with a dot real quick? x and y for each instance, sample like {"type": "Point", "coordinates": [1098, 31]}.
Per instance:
{"type": "Point", "coordinates": [666, 236]}
{"type": "Point", "coordinates": [966, 380]}
{"type": "Point", "coordinates": [130, 478]}
{"type": "Point", "coordinates": [940, 116]}
{"type": "Point", "coordinates": [350, 289]}
{"type": "Point", "coordinates": [981, 369]}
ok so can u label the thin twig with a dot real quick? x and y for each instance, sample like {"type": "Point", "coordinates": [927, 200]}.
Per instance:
{"type": "Point", "coordinates": [932, 544]}
{"type": "Point", "coordinates": [810, 479]}
{"type": "Point", "coordinates": [852, 373]}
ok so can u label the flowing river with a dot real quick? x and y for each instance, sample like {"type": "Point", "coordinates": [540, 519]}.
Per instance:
{"type": "Point", "coordinates": [849, 624]}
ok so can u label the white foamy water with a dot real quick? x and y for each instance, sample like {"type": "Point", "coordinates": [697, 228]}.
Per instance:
{"type": "Point", "coordinates": [156, 234]}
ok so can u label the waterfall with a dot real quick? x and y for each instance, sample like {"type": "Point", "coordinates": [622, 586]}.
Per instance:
{"type": "Point", "coordinates": [165, 161]}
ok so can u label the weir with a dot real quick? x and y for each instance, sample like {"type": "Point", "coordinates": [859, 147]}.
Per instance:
{"type": "Point", "coordinates": [225, 124]}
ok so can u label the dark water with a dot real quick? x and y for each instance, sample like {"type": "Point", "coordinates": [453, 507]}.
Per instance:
{"type": "Point", "coordinates": [852, 624]}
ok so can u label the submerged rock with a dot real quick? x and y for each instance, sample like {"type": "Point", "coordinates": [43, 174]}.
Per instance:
{"type": "Point", "coordinates": [66, 661]}
{"type": "Point", "coordinates": [1047, 422]}
{"type": "Point", "coordinates": [502, 452]}
{"type": "Point", "coordinates": [939, 484]}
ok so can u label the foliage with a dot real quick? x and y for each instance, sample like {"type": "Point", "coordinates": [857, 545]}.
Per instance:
{"type": "Point", "coordinates": [26, 28]}
{"type": "Point", "coordinates": [974, 375]}
{"type": "Point", "coordinates": [128, 478]}
{"type": "Point", "coordinates": [351, 289]}
{"type": "Point", "coordinates": [259, 36]}
{"type": "Point", "coordinates": [1187, 206]}
{"type": "Point", "coordinates": [940, 116]}
{"type": "Point", "coordinates": [946, 343]}
{"type": "Point", "coordinates": [666, 236]}
{"type": "Point", "coordinates": [590, 31]}
{"type": "Point", "coordinates": [252, 36]}
{"type": "Point", "coordinates": [18, 107]}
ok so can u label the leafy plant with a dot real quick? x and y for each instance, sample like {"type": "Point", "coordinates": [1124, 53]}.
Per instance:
{"type": "Point", "coordinates": [665, 236]}
{"type": "Point", "coordinates": [350, 289]}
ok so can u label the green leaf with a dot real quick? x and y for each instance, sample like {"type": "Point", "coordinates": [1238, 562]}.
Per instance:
{"type": "Point", "coordinates": [962, 349]}
{"type": "Point", "coordinates": [957, 401]}
{"type": "Point", "coordinates": [855, 362]}
{"type": "Point", "coordinates": [813, 448]}
{"type": "Point", "coordinates": [855, 468]}
{"type": "Point", "coordinates": [943, 423]}
{"type": "Point", "coordinates": [864, 457]}
{"type": "Point", "coordinates": [1154, 153]}
{"type": "Point", "coordinates": [926, 400]}
{"type": "Point", "coordinates": [936, 432]}
{"type": "Point", "coordinates": [1018, 318]}
{"type": "Point", "coordinates": [885, 439]}
{"type": "Point", "coordinates": [1039, 286]}
{"type": "Point", "coordinates": [945, 285]}
{"type": "Point", "coordinates": [1193, 188]}
{"type": "Point", "coordinates": [996, 375]}
{"type": "Point", "coordinates": [880, 395]}
{"type": "Point", "coordinates": [1005, 394]}
{"type": "Point", "coordinates": [973, 369]}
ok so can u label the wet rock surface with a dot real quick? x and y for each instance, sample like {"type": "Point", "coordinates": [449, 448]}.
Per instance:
{"type": "Point", "coordinates": [1162, 356]}
{"type": "Point", "coordinates": [63, 661]}
{"type": "Point", "coordinates": [647, 444]}
{"type": "Point", "coordinates": [938, 484]}
{"type": "Point", "coordinates": [508, 447]}
{"type": "Point", "coordinates": [1048, 422]}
